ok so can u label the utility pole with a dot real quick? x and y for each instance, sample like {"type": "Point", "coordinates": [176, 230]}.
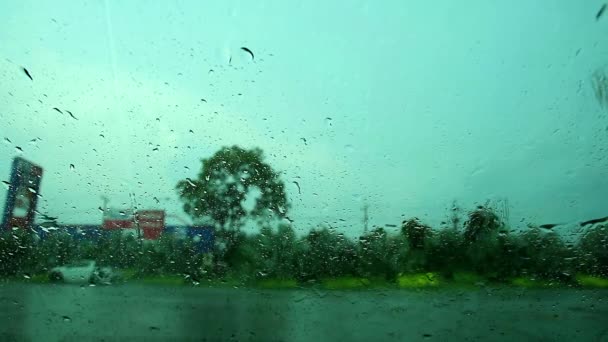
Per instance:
{"type": "Point", "coordinates": [104, 208]}
{"type": "Point", "coordinates": [365, 218]}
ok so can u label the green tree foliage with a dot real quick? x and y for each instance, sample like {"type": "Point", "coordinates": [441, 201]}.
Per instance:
{"type": "Point", "coordinates": [17, 247]}
{"type": "Point", "coordinates": [278, 252]}
{"type": "Point", "coordinates": [224, 182]}
{"type": "Point", "coordinates": [416, 233]}
{"type": "Point", "coordinates": [379, 254]}
{"type": "Point", "coordinates": [239, 257]}
{"type": "Point", "coordinates": [418, 237]}
{"type": "Point", "coordinates": [483, 248]}
{"type": "Point", "coordinates": [482, 223]}
{"type": "Point", "coordinates": [446, 252]}
{"type": "Point", "coordinates": [59, 248]}
{"type": "Point", "coordinates": [326, 253]}
{"type": "Point", "coordinates": [118, 250]}
{"type": "Point", "coordinates": [542, 253]}
{"type": "Point", "coordinates": [593, 250]}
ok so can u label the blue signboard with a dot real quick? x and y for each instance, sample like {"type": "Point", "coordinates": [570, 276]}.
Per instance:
{"type": "Point", "coordinates": [22, 196]}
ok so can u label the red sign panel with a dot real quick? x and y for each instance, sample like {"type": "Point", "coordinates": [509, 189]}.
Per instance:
{"type": "Point", "coordinates": [151, 223]}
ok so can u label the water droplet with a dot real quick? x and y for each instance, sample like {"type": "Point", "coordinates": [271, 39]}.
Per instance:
{"type": "Point", "coordinates": [19, 149]}
{"type": "Point", "coordinates": [72, 167]}
{"type": "Point", "coordinates": [8, 141]}
{"type": "Point", "coordinates": [66, 318]}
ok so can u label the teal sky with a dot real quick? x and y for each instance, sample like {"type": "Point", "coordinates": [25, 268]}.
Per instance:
{"type": "Point", "coordinates": [406, 104]}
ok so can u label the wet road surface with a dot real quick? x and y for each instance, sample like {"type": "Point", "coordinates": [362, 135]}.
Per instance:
{"type": "Point", "coordinates": [153, 313]}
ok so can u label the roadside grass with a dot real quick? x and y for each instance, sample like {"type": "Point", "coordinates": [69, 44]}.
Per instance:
{"type": "Point", "coordinates": [427, 280]}
{"type": "Point", "coordinates": [419, 280]}
{"type": "Point", "coordinates": [345, 283]}
{"type": "Point", "coordinates": [275, 283]}
{"type": "Point", "coordinates": [128, 274]}
{"type": "Point", "coordinates": [170, 280]}
{"type": "Point", "coordinates": [40, 278]}
{"type": "Point", "coordinates": [467, 279]}
{"type": "Point", "coordinates": [221, 282]}
{"type": "Point", "coordinates": [534, 283]}
{"type": "Point", "coordinates": [586, 280]}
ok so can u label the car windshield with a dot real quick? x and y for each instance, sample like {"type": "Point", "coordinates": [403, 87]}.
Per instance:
{"type": "Point", "coordinates": [290, 170]}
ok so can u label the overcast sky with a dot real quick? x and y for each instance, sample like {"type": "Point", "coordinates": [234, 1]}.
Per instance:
{"type": "Point", "coordinates": [407, 105]}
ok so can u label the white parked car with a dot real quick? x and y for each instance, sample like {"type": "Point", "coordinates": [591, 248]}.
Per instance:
{"type": "Point", "coordinates": [82, 271]}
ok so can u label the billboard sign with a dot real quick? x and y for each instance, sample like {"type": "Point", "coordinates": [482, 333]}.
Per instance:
{"type": "Point", "coordinates": [151, 223]}
{"type": "Point", "coordinates": [22, 197]}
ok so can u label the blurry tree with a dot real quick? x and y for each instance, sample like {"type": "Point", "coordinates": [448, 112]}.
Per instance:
{"type": "Point", "coordinates": [482, 223]}
{"type": "Point", "coordinates": [378, 254]}
{"type": "Point", "coordinates": [327, 254]}
{"type": "Point", "coordinates": [17, 251]}
{"type": "Point", "coordinates": [418, 237]}
{"type": "Point", "coordinates": [151, 261]}
{"type": "Point", "coordinates": [278, 251]}
{"type": "Point", "coordinates": [282, 251]}
{"type": "Point", "coordinates": [240, 257]}
{"type": "Point", "coordinates": [542, 254]}
{"type": "Point", "coordinates": [226, 180]}
{"type": "Point", "coordinates": [58, 248]}
{"type": "Point", "coordinates": [446, 252]}
{"type": "Point", "coordinates": [483, 246]}
{"type": "Point", "coordinates": [415, 232]}
{"type": "Point", "coordinates": [500, 258]}
{"type": "Point", "coordinates": [117, 250]}
{"type": "Point", "coordinates": [593, 251]}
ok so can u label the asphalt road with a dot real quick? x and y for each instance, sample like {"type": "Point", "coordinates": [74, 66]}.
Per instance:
{"type": "Point", "coordinates": [152, 313]}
